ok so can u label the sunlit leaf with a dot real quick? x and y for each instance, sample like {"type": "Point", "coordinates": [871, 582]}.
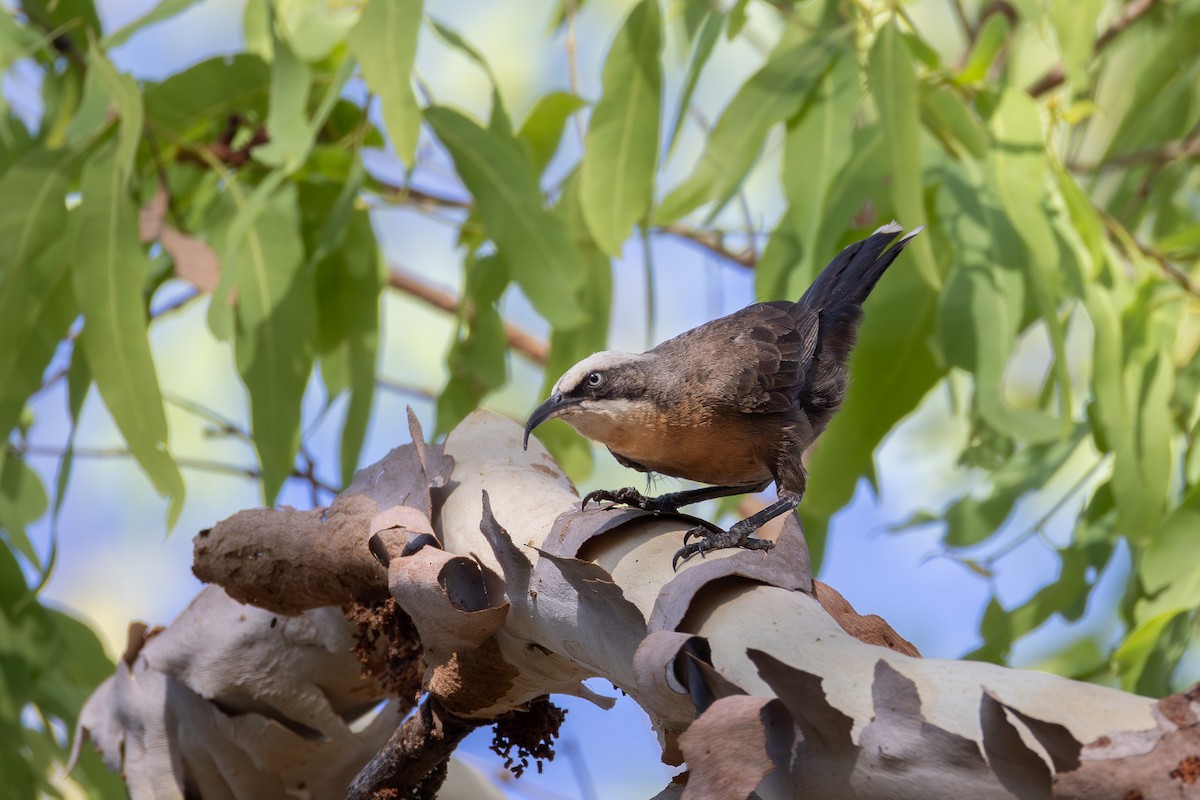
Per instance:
{"type": "Point", "coordinates": [893, 83]}
{"type": "Point", "coordinates": [532, 242]}
{"type": "Point", "coordinates": [621, 148]}
{"type": "Point", "coordinates": [207, 94]}
{"type": "Point", "coordinates": [385, 44]}
{"type": "Point", "coordinates": [109, 268]}
{"type": "Point", "coordinates": [162, 11]}
{"type": "Point", "coordinates": [276, 330]}
{"type": "Point", "coordinates": [542, 130]}
{"type": "Point", "coordinates": [709, 34]}
{"type": "Point", "coordinates": [22, 501]}
{"type": "Point", "coordinates": [817, 148]}
{"type": "Point", "coordinates": [287, 120]}
{"type": "Point", "coordinates": [773, 94]}
{"type": "Point", "coordinates": [988, 44]}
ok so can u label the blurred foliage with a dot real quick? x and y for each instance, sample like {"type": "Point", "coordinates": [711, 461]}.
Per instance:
{"type": "Point", "coordinates": [1050, 148]}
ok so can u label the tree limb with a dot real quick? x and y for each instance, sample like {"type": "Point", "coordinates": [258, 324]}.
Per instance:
{"type": "Point", "coordinates": [523, 342]}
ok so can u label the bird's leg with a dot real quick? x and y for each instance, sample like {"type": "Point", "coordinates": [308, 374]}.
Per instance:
{"type": "Point", "coordinates": [739, 534]}
{"type": "Point", "coordinates": [666, 502]}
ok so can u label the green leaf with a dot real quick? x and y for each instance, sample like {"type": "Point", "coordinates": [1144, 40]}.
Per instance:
{"type": "Point", "coordinates": [109, 271]}
{"type": "Point", "coordinates": [533, 243]}
{"type": "Point", "coordinates": [1001, 628]}
{"type": "Point", "coordinates": [385, 44]}
{"type": "Point", "coordinates": [123, 91]}
{"type": "Point", "coordinates": [988, 44]}
{"type": "Point", "coordinates": [476, 360]}
{"type": "Point", "coordinates": [542, 130]}
{"type": "Point", "coordinates": [276, 331]}
{"type": "Point", "coordinates": [773, 94]}
{"type": "Point", "coordinates": [982, 306]}
{"type": "Point", "coordinates": [164, 10]}
{"type": "Point", "coordinates": [313, 28]}
{"type": "Point", "coordinates": [1149, 655]}
{"type": "Point", "coordinates": [1168, 569]}
{"type": "Point", "coordinates": [22, 501]}
{"type": "Point", "coordinates": [1075, 26]}
{"type": "Point", "coordinates": [950, 118]}
{"type": "Point", "coordinates": [349, 279]}
{"type": "Point", "coordinates": [206, 95]}
{"type": "Point", "coordinates": [818, 146]}
{"type": "Point", "coordinates": [36, 301]}
{"type": "Point", "coordinates": [893, 82]}
{"type": "Point", "coordinates": [1019, 174]}
{"type": "Point", "coordinates": [570, 449]}
{"type": "Point", "coordinates": [621, 148]}
{"type": "Point", "coordinates": [287, 120]}
{"type": "Point", "coordinates": [700, 55]}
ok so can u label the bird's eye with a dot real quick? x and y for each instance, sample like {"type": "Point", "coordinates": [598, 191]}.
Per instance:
{"type": "Point", "coordinates": [594, 379]}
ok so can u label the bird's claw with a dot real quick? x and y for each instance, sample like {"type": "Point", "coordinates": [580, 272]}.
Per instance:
{"type": "Point", "coordinates": [715, 539]}
{"type": "Point", "coordinates": [626, 497]}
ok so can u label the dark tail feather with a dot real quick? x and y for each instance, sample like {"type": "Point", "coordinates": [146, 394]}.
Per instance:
{"type": "Point", "coordinates": [853, 273]}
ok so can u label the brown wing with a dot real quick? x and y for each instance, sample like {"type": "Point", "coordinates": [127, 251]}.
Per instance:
{"type": "Point", "coordinates": [770, 347]}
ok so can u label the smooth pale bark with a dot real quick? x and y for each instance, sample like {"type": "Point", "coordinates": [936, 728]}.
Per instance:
{"type": "Point", "coordinates": [744, 664]}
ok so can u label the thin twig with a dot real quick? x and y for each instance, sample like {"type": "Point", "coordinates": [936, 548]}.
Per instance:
{"type": "Point", "coordinates": [569, 10]}
{"type": "Point", "coordinates": [713, 242]}
{"type": "Point", "coordinates": [404, 281]}
{"type": "Point", "coordinates": [1130, 14]}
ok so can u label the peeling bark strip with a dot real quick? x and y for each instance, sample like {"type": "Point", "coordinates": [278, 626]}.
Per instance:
{"type": "Point", "coordinates": [766, 682]}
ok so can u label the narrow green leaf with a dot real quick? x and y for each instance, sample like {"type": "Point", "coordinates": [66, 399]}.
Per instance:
{"type": "Point", "coordinates": [621, 148]}
{"type": "Point", "coordinates": [207, 94]}
{"type": "Point", "coordinates": [276, 331]}
{"type": "Point", "coordinates": [1147, 658]}
{"type": "Point", "coordinates": [542, 130]}
{"type": "Point", "coordinates": [349, 279]}
{"type": "Point", "coordinates": [532, 242]}
{"type": "Point", "coordinates": [1168, 568]}
{"type": "Point", "coordinates": [123, 91]}
{"type": "Point", "coordinates": [22, 501]}
{"type": "Point", "coordinates": [1075, 26]}
{"type": "Point", "coordinates": [385, 44]}
{"type": "Point", "coordinates": [893, 83]}
{"type": "Point", "coordinates": [287, 119]}
{"type": "Point", "coordinates": [258, 28]}
{"type": "Point", "coordinates": [476, 360]}
{"type": "Point", "coordinates": [988, 44]}
{"type": "Point", "coordinates": [817, 148]}
{"type": "Point", "coordinates": [773, 94]}
{"type": "Point", "coordinates": [164, 10]}
{"type": "Point", "coordinates": [313, 28]}
{"type": "Point", "coordinates": [1019, 174]}
{"type": "Point", "coordinates": [36, 302]}
{"type": "Point", "coordinates": [570, 449]}
{"type": "Point", "coordinates": [700, 55]}
{"type": "Point", "coordinates": [950, 118]}
{"type": "Point", "coordinates": [109, 271]}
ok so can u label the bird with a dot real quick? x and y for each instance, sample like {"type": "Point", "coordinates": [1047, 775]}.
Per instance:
{"type": "Point", "coordinates": [733, 403]}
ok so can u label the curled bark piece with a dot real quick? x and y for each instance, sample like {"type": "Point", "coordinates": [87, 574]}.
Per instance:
{"type": "Point", "coordinates": [289, 561]}
{"type": "Point", "coordinates": [872, 628]}
{"type": "Point", "coordinates": [668, 678]}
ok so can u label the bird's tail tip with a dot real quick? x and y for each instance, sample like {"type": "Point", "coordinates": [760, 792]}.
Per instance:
{"type": "Point", "coordinates": [895, 227]}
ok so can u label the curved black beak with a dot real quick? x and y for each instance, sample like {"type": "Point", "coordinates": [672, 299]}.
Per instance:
{"type": "Point", "coordinates": [547, 410]}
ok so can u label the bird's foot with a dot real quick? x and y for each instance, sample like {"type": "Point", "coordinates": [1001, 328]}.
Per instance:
{"type": "Point", "coordinates": [629, 497]}
{"type": "Point", "coordinates": [712, 538]}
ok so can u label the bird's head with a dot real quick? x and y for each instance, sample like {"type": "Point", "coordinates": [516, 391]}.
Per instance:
{"type": "Point", "coordinates": [594, 393]}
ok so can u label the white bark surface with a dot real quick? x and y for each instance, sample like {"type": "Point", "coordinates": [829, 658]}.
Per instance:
{"type": "Point", "coordinates": [743, 663]}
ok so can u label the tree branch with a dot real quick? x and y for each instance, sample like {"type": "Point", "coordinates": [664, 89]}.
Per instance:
{"type": "Point", "coordinates": [1130, 14]}
{"type": "Point", "coordinates": [413, 762]}
{"type": "Point", "coordinates": [523, 342]}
